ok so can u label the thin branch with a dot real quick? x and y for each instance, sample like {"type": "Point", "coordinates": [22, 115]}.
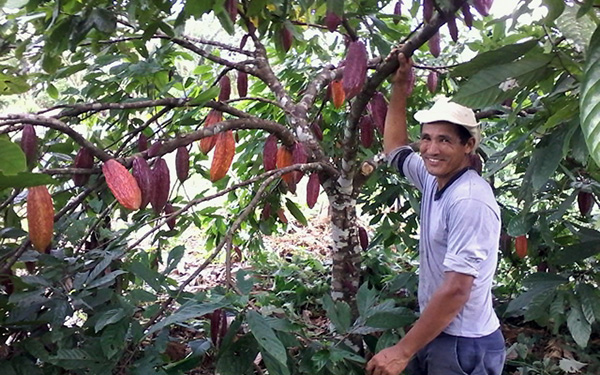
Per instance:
{"type": "Point", "coordinates": [222, 46]}
{"type": "Point", "coordinates": [69, 171]}
{"type": "Point", "coordinates": [10, 199]}
{"type": "Point", "coordinates": [77, 109]}
{"type": "Point", "coordinates": [13, 258]}
{"type": "Point", "coordinates": [264, 100]}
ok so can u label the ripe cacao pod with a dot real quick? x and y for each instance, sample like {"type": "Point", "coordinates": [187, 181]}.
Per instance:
{"type": "Point", "coordinates": [244, 40]}
{"type": "Point", "coordinates": [467, 15]}
{"type": "Point", "coordinates": [142, 143]}
{"type": "Point", "coordinates": [281, 216]}
{"type": "Point", "coordinates": [286, 37]}
{"type": "Point", "coordinates": [266, 212]}
{"type": "Point", "coordinates": [232, 9]}
{"type": "Point", "coordinates": [427, 10]}
{"type": "Point", "coordinates": [521, 246]}
{"type": "Point", "coordinates": [476, 163]}
{"type": "Point", "coordinates": [337, 93]}
{"type": "Point", "coordinates": [355, 70]}
{"type": "Point", "coordinates": [29, 145]}
{"type": "Point", "coordinates": [452, 28]}
{"type": "Point", "coordinates": [367, 132]}
{"type": "Point", "coordinates": [143, 176]}
{"type": "Point", "coordinates": [397, 11]}
{"type": "Point", "coordinates": [182, 163]}
{"type": "Point", "coordinates": [285, 159]}
{"type": "Point", "coordinates": [299, 156]}
{"type": "Point", "coordinates": [270, 153]}
{"type": "Point", "coordinates": [432, 81]}
{"type": "Point", "coordinates": [169, 209]}
{"type": "Point", "coordinates": [312, 189]}
{"type": "Point", "coordinates": [363, 238]}
{"type": "Point", "coordinates": [225, 84]}
{"type": "Point", "coordinates": [40, 217]}
{"type": "Point", "coordinates": [154, 150]}
{"type": "Point", "coordinates": [122, 184]}
{"type": "Point", "coordinates": [316, 128]}
{"type": "Point", "coordinates": [162, 183]}
{"type": "Point", "coordinates": [483, 6]}
{"type": "Point", "coordinates": [434, 44]}
{"type": "Point", "coordinates": [207, 143]}
{"type": "Point", "coordinates": [378, 108]}
{"type": "Point", "coordinates": [585, 201]}
{"type": "Point", "coordinates": [242, 84]}
{"type": "Point", "coordinates": [83, 159]}
{"type": "Point", "coordinates": [223, 155]}
{"type": "Point", "coordinates": [332, 20]}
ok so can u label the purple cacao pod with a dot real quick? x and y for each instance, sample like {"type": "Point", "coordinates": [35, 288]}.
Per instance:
{"type": "Point", "coordinates": [397, 11]}
{"type": "Point", "coordinates": [312, 189]}
{"type": "Point", "coordinates": [266, 212]}
{"type": "Point", "coordinates": [142, 143]}
{"type": "Point", "coordinates": [434, 44]}
{"type": "Point", "coordinates": [83, 159]}
{"type": "Point", "coordinates": [182, 163]}
{"type": "Point", "coordinates": [467, 16]}
{"type": "Point", "coordinates": [270, 153]}
{"type": "Point", "coordinates": [483, 6]}
{"type": "Point", "coordinates": [363, 238]}
{"type": "Point", "coordinates": [171, 221]}
{"type": "Point", "coordinates": [432, 81]}
{"type": "Point", "coordinates": [232, 9]}
{"type": "Point", "coordinates": [287, 38]}
{"type": "Point", "coordinates": [452, 28]}
{"type": "Point", "coordinates": [332, 21]}
{"type": "Point", "coordinates": [162, 183]}
{"type": "Point", "coordinates": [355, 70]}
{"type": "Point", "coordinates": [315, 126]}
{"type": "Point", "coordinates": [585, 202]}
{"type": "Point", "coordinates": [154, 150]}
{"type": "Point", "coordinates": [242, 84]}
{"type": "Point", "coordinates": [225, 92]}
{"type": "Point", "coordinates": [427, 10]}
{"type": "Point", "coordinates": [244, 40]}
{"type": "Point", "coordinates": [143, 176]}
{"type": "Point", "coordinates": [378, 108]}
{"type": "Point", "coordinates": [366, 131]}
{"type": "Point", "coordinates": [29, 145]}
{"type": "Point", "coordinates": [299, 156]}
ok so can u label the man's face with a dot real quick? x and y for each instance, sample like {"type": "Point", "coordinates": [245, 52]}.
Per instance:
{"type": "Point", "coordinates": [442, 151]}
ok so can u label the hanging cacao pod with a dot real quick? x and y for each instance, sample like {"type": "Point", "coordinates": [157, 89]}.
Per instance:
{"type": "Point", "coordinates": [142, 143]}
{"type": "Point", "coordinates": [161, 180]}
{"type": "Point", "coordinates": [427, 10]}
{"type": "Point", "coordinates": [397, 11]}
{"type": "Point", "coordinates": [286, 37]}
{"type": "Point", "coordinates": [223, 155]}
{"type": "Point", "coordinates": [29, 145]}
{"type": "Point", "coordinates": [143, 176]}
{"type": "Point", "coordinates": [337, 93]}
{"type": "Point", "coordinates": [270, 153]}
{"type": "Point", "coordinates": [171, 221]}
{"type": "Point", "coordinates": [182, 163]}
{"type": "Point", "coordinates": [281, 216]}
{"type": "Point", "coordinates": [585, 202]}
{"type": "Point", "coordinates": [467, 16]}
{"type": "Point", "coordinates": [122, 184]}
{"type": "Point", "coordinates": [332, 20]}
{"type": "Point", "coordinates": [521, 246]}
{"type": "Point", "coordinates": [365, 126]}
{"type": "Point", "coordinates": [207, 143]}
{"type": "Point", "coordinates": [476, 163]}
{"type": "Point", "coordinates": [363, 238]}
{"type": "Point", "coordinates": [266, 212]}
{"type": "Point", "coordinates": [215, 322]}
{"type": "Point", "coordinates": [244, 40]}
{"type": "Point", "coordinates": [316, 128]}
{"type": "Point", "coordinates": [242, 84]}
{"type": "Point", "coordinates": [40, 217]}
{"type": "Point", "coordinates": [312, 189]}
{"type": "Point", "coordinates": [483, 6]}
{"type": "Point", "coordinates": [154, 150]}
{"type": "Point", "coordinates": [434, 44]}
{"type": "Point", "coordinates": [378, 108]}
{"type": "Point", "coordinates": [232, 9]}
{"type": "Point", "coordinates": [355, 69]}
{"type": "Point", "coordinates": [299, 156]}
{"type": "Point", "coordinates": [432, 81]}
{"type": "Point", "coordinates": [452, 27]}
{"type": "Point", "coordinates": [224, 326]}
{"type": "Point", "coordinates": [225, 84]}
{"type": "Point", "coordinates": [84, 159]}
{"type": "Point", "coordinates": [284, 159]}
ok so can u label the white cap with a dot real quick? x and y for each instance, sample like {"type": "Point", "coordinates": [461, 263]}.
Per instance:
{"type": "Point", "coordinates": [445, 110]}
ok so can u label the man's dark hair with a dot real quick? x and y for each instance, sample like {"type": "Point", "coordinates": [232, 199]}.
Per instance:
{"type": "Point", "coordinates": [462, 132]}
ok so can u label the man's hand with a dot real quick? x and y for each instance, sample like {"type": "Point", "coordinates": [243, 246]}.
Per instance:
{"type": "Point", "coordinates": [389, 361]}
{"type": "Point", "coordinates": [401, 77]}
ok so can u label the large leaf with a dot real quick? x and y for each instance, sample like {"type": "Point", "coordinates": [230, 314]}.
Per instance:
{"type": "Point", "coordinates": [590, 98]}
{"type": "Point", "coordinates": [577, 252]}
{"type": "Point", "coordinates": [237, 359]}
{"type": "Point", "coordinates": [339, 313]}
{"type": "Point", "coordinates": [546, 157]}
{"type": "Point", "coordinates": [109, 317]}
{"type": "Point", "coordinates": [25, 179]}
{"type": "Point", "coordinates": [189, 310]}
{"type": "Point", "coordinates": [579, 327]}
{"type": "Point", "coordinates": [537, 284]}
{"type": "Point", "coordinates": [365, 299]}
{"type": "Point", "coordinates": [12, 158]}
{"type": "Point", "coordinates": [10, 85]}
{"type": "Point", "coordinates": [267, 340]}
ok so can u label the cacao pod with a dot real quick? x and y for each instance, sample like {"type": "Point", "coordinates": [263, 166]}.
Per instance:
{"type": "Point", "coordinates": [29, 145]}
{"type": "Point", "coordinates": [207, 143]}
{"type": "Point", "coordinates": [266, 212]}
{"type": "Point", "coordinates": [476, 163]}
{"type": "Point", "coordinates": [83, 159]}
{"type": "Point", "coordinates": [427, 10]}
{"type": "Point", "coordinates": [299, 156]}
{"type": "Point", "coordinates": [215, 322]}
{"type": "Point", "coordinates": [142, 143]}
{"type": "Point", "coordinates": [40, 217]}
{"type": "Point", "coordinates": [355, 70]}
{"type": "Point", "coordinates": [483, 6]}
{"type": "Point", "coordinates": [337, 93]}
{"type": "Point", "coordinates": [270, 153]}
{"type": "Point", "coordinates": [143, 176]}
{"type": "Point", "coordinates": [223, 155]}
{"type": "Point", "coordinates": [366, 131]}
{"type": "Point", "coordinates": [467, 16]}
{"type": "Point", "coordinates": [281, 216]}
{"type": "Point", "coordinates": [378, 108]}
{"type": "Point", "coordinates": [285, 159]}
{"type": "Point", "coordinates": [585, 201]}
{"type": "Point", "coordinates": [225, 84]}
{"type": "Point", "coordinates": [505, 241]}
{"type": "Point", "coordinates": [432, 81]}
{"type": "Point", "coordinates": [332, 20]}
{"type": "Point", "coordinates": [312, 189]}
{"type": "Point", "coordinates": [232, 9]}
{"type": "Point", "coordinates": [223, 327]}
{"type": "Point", "coordinates": [452, 28]}
{"type": "Point", "coordinates": [434, 44]}
{"type": "Point", "coordinates": [316, 128]}
{"type": "Point", "coordinates": [169, 209]}
{"type": "Point", "coordinates": [363, 238]}
{"type": "Point", "coordinates": [521, 246]}
{"type": "Point", "coordinates": [397, 11]}
{"type": "Point", "coordinates": [162, 183]}
{"type": "Point", "coordinates": [244, 40]}
{"type": "Point", "coordinates": [122, 184]}
{"type": "Point", "coordinates": [154, 150]}
{"type": "Point", "coordinates": [286, 37]}
{"type": "Point", "coordinates": [182, 163]}
{"type": "Point", "coordinates": [242, 84]}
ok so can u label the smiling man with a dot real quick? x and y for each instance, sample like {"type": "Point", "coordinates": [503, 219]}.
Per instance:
{"type": "Point", "coordinates": [458, 331]}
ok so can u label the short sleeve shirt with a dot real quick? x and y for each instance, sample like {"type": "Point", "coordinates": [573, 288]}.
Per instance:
{"type": "Point", "coordinates": [459, 232]}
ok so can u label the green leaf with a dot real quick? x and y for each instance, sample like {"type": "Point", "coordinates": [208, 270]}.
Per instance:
{"type": "Point", "coordinates": [244, 284]}
{"type": "Point", "coordinates": [10, 85]}
{"type": "Point", "coordinates": [386, 316]}
{"type": "Point", "coordinates": [296, 212]}
{"type": "Point", "coordinates": [25, 179]}
{"type": "Point", "coordinates": [537, 283]}
{"type": "Point", "coordinates": [577, 252]}
{"type": "Point", "coordinates": [585, 8]}
{"type": "Point", "coordinates": [175, 256]}
{"type": "Point", "coordinates": [555, 9]}
{"type": "Point", "coordinates": [590, 302]}
{"type": "Point", "coordinates": [147, 274]}
{"type": "Point", "coordinates": [205, 96]}
{"type": "Point", "coordinates": [546, 157]}
{"type": "Point", "coordinates": [104, 20]}
{"type": "Point", "coordinates": [338, 312]}
{"type": "Point", "coordinates": [590, 98]}
{"type": "Point", "coordinates": [12, 158]}
{"type": "Point", "coordinates": [189, 310]}
{"type": "Point", "coordinates": [579, 327]}
{"type": "Point", "coordinates": [109, 317]}
{"type": "Point", "coordinates": [365, 299]}
{"type": "Point", "coordinates": [336, 7]}
{"type": "Point", "coordinates": [113, 339]}
{"type": "Point", "coordinates": [266, 338]}
{"type": "Point", "coordinates": [237, 359]}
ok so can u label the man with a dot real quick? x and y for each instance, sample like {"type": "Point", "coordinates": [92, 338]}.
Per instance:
{"type": "Point", "coordinates": [458, 331]}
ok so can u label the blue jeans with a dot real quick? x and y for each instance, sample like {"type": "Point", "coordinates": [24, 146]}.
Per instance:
{"type": "Point", "coordinates": [455, 355]}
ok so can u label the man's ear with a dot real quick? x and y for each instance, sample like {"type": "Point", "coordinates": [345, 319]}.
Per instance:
{"type": "Point", "coordinates": [470, 146]}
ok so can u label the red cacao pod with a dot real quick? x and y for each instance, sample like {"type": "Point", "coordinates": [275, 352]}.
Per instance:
{"type": "Point", "coordinates": [452, 28]}
{"type": "Point", "coordinates": [299, 156]}
{"type": "Point", "coordinates": [207, 143]}
{"type": "Point", "coordinates": [281, 216]}
{"type": "Point", "coordinates": [83, 159]}
{"type": "Point", "coordinates": [242, 84]}
{"type": "Point", "coordinates": [266, 212]}
{"type": "Point", "coordinates": [284, 159]}
{"type": "Point", "coordinates": [40, 217]}
{"type": "Point", "coordinates": [154, 150]}
{"type": "Point", "coordinates": [171, 219]}
{"type": "Point", "coordinates": [122, 184]}
{"type": "Point", "coordinates": [223, 155]}
{"type": "Point", "coordinates": [332, 20]}
{"type": "Point", "coordinates": [312, 189]}
{"type": "Point", "coordinates": [378, 108]}
{"type": "Point", "coordinates": [162, 183]}
{"type": "Point", "coordinates": [476, 163]}
{"type": "Point", "coordinates": [337, 93]}
{"type": "Point", "coordinates": [316, 128]}
{"type": "Point", "coordinates": [363, 238]}
{"type": "Point", "coordinates": [143, 176]}
{"type": "Point", "coordinates": [29, 145]}
{"type": "Point", "coordinates": [521, 246]}
{"type": "Point", "coordinates": [397, 11]}
{"type": "Point", "coordinates": [432, 81]}
{"type": "Point", "coordinates": [427, 10]}
{"type": "Point", "coordinates": [182, 163]}
{"type": "Point", "coordinates": [434, 44]}
{"type": "Point", "coordinates": [585, 202]}
{"type": "Point", "coordinates": [232, 9]}
{"type": "Point", "coordinates": [355, 70]}
{"type": "Point", "coordinates": [467, 15]}
{"type": "Point", "coordinates": [286, 38]}
{"type": "Point", "coordinates": [225, 84]}
{"type": "Point", "coordinates": [367, 132]}
{"type": "Point", "coordinates": [142, 143]}
{"type": "Point", "coordinates": [270, 153]}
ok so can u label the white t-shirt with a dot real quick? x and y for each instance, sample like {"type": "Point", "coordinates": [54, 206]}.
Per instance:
{"type": "Point", "coordinates": [460, 232]}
